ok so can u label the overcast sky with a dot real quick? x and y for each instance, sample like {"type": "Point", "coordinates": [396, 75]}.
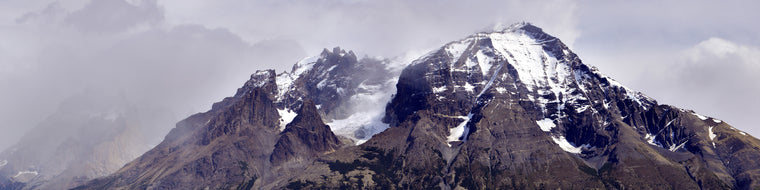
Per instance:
{"type": "Point", "coordinates": [187, 54]}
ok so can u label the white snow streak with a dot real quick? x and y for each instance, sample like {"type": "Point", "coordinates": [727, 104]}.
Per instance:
{"type": "Point", "coordinates": [703, 118]}
{"type": "Point", "coordinates": [501, 90]}
{"type": "Point", "coordinates": [25, 172]}
{"type": "Point", "coordinates": [582, 108]}
{"type": "Point", "coordinates": [567, 146]}
{"type": "Point", "coordinates": [712, 135]}
{"type": "Point", "coordinates": [669, 122]}
{"type": "Point", "coordinates": [3, 162]}
{"type": "Point", "coordinates": [439, 89]}
{"type": "Point", "coordinates": [484, 61]}
{"type": "Point", "coordinates": [700, 116]}
{"type": "Point", "coordinates": [674, 147]}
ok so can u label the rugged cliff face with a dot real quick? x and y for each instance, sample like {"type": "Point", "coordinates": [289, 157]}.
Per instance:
{"type": "Point", "coordinates": [509, 109]}
{"type": "Point", "coordinates": [305, 137]}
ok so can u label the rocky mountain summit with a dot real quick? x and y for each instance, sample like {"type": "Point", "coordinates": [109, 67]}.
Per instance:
{"type": "Point", "coordinates": [305, 137]}
{"type": "Point", "coordinates": [507, 109]}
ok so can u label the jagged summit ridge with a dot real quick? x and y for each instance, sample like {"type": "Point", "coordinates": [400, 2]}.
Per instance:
{"type": "Point", "coordinates": [349, 92]}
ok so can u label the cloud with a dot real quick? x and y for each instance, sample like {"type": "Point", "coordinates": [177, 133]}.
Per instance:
{"type": "Point", "coordinates": [716, 49]}
{"type": "Point", "coordinates": [114, 15]}
{"type": "Point", "coordinates": [700, 55]}
{"type": "Point", "coordinates": [719, 77]}
{"type": "Point", "coordinates": [714, 77]}
{"type": "Point", "coordinates": [384, 28]}
{"type": "Point", "coordinates": [54, 52]}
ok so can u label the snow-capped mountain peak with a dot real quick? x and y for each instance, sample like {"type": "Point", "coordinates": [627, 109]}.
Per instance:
{"type": "Point", "coordinates": [508, 109]}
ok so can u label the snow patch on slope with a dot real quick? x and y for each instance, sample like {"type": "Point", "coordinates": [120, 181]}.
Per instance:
{"type": "Point", "coordinates": [468, 87]}
{"type": "Point", "coordinates": [700, 116]}
{"type": "Point", "coordinates": [458, 132]}
{"type": "Point", "coordinates": [439, 89]}
{"type": "Point", "coordinates": [546, 124]}
{"type": "Point", "coordinates": [712, 135]}
{"type": "Point", "coordinates": [284, 82]}
{"type": "Point", "coordinates": [3, 163]}
{"type": "Point", "coordinates": [366, 123]}
{"type": "Point", "coordinates": [567, 146]}
{"type": "Point", "coordinates": [501, 90]}
{"type": "Point", "coordinates": [456, 49]}
{"type": "Point", "coordinates": [650, 139]}
{"type": "Point", "coordinates": [529, 59]}
{"type": "Point", "coordinates": [286, 116]}
{"type": "Point", "coordinates": [704, 118]}
{"type": "Point", "coordinates": [304, 65]}
{"type": "Point", "coordinates": [484, 61]}
{"type": "Point", "coordinates": [366, 120]}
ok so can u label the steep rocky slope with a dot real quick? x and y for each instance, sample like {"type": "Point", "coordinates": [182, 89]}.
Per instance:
{"type": "Point", "coordinates": [304, 138]}
{"type": "Point", "coordinates": [509, 109]}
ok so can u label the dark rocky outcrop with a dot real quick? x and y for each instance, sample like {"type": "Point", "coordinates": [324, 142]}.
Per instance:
{"type": "Point", "coordinates": [305, 137]}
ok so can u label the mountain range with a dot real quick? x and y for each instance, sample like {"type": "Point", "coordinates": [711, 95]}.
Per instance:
{"type": "Point", "coordinates": [512, 108]}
